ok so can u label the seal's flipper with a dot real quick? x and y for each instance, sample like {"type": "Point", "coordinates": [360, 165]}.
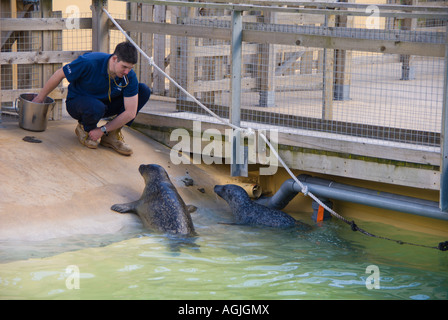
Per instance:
{"type": "Point", "coordinates": [130, 207]}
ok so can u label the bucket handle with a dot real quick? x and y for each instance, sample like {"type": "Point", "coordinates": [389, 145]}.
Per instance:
{"type": "Point", "coordinates": [16, 104]}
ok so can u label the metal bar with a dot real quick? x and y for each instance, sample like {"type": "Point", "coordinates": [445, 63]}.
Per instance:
{"type": "Point", "coordinates": [235, 83]}
{"type": "Point", "coordinates": [238, 166]}
{"type": "Point", "coordinates": [443, 202]}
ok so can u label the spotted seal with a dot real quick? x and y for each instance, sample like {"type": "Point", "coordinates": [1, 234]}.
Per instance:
{"type": "Point", "coordinates": [160, 207]}
{"type": "Point", "coordinates": [248, 212]}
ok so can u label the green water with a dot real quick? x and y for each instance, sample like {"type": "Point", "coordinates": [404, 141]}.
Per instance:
{"type": "Point", "coordinates": [227, 262]}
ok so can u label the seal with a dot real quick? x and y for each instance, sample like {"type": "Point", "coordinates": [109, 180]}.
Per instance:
{"type": "Point", "coordinates": [160, 206]}
{"type": "Point", "coordinates": [248, 212]}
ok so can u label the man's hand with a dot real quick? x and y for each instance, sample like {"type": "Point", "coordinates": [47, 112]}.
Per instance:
{"type": "Point", "coordinates": [37, 99]}
{"type": "Point", "coordinates": [95, 134]}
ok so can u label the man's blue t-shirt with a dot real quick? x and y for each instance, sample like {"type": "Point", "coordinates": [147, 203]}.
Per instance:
{"type": "Point", "coordinates": [88, 76]}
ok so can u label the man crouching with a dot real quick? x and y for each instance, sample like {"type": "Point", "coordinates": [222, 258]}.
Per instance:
{"type": "Point", "coordinates": [101, 86]}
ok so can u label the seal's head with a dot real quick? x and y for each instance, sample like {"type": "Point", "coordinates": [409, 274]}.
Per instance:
{"type": "Point", "coordinates": [152, 172]}
{"type": "Point", "coordinates": [232, 193]}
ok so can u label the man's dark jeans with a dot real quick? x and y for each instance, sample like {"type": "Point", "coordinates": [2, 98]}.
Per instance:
{"type": "Point", "coordinates": [89, 111]}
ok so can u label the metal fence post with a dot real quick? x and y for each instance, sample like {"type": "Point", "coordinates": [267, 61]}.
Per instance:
{"type": "Point", "coordinates": [444, 137]}
{"type": "Point", "coordinates": [238, 166]}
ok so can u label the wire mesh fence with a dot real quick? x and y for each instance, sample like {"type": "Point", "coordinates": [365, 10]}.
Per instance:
{"type": "Point", "coordinates": [20, 75]}
{"type": "Point", "coordinates": [348, 88]}
{"type": "Point", "coordinates": [21, 48]}
{"type": "Point", "coordinates": [389, 97]}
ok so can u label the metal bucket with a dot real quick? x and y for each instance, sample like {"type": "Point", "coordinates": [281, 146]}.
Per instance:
{"type": "Point", "coordinates": [33, 116]}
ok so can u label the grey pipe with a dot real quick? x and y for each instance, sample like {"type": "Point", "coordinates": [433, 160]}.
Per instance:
{"type": "Point", "coordinates": [337, 191]}
{"type": "Point", "coordinates": [282, 197]}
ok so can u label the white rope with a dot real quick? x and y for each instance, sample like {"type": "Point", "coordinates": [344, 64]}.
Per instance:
{"type": "Point", "coordinates": [249, 131]}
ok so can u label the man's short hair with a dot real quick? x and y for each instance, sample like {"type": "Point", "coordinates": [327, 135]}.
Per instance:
{"type": "Point", "coordinates": [125, 51]}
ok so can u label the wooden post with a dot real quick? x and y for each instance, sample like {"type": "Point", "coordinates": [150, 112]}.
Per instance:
{"type": "Point", "coordinates": [342, 61]}
{"type": "Point", "coordinates": [328, 75]}
{"type": "Point", "coordinates": [133, 12]}
{"type": "Point", "coordinates": [142, 12]}
{"type": "Point", "coordinates": [146, 45]}
{"type": "Point", "coordinates": [24, 43]}
{"type": "Point", "coordinates": [159, 51]}
{"type": "Point", "coordinates": [57, 46]}
{"type": "Point", "coordinates": [5, 70]}
{"type": "Point", "coordinates": [46, 9]}
{"type": "Point", "coordinates": [50, 42]}
{"type": "Point", "coordinates": [266, 69]}
{"type": "Point", "coordinates": [407, 71]}
{"type": "Point", "coordinates": [100, 29]}
{"type": "Point", "coordinates": [174, 57]}
{"type": "Point", "coordinates": [211, 68]}
{"type": "Point", "coordinates": [185, 59]}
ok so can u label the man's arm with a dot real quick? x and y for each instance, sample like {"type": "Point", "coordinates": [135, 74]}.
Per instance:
{"type": "Point", "coordinates": [51, 84]}
{"type": "Point", "coordinates": [130, 112]}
